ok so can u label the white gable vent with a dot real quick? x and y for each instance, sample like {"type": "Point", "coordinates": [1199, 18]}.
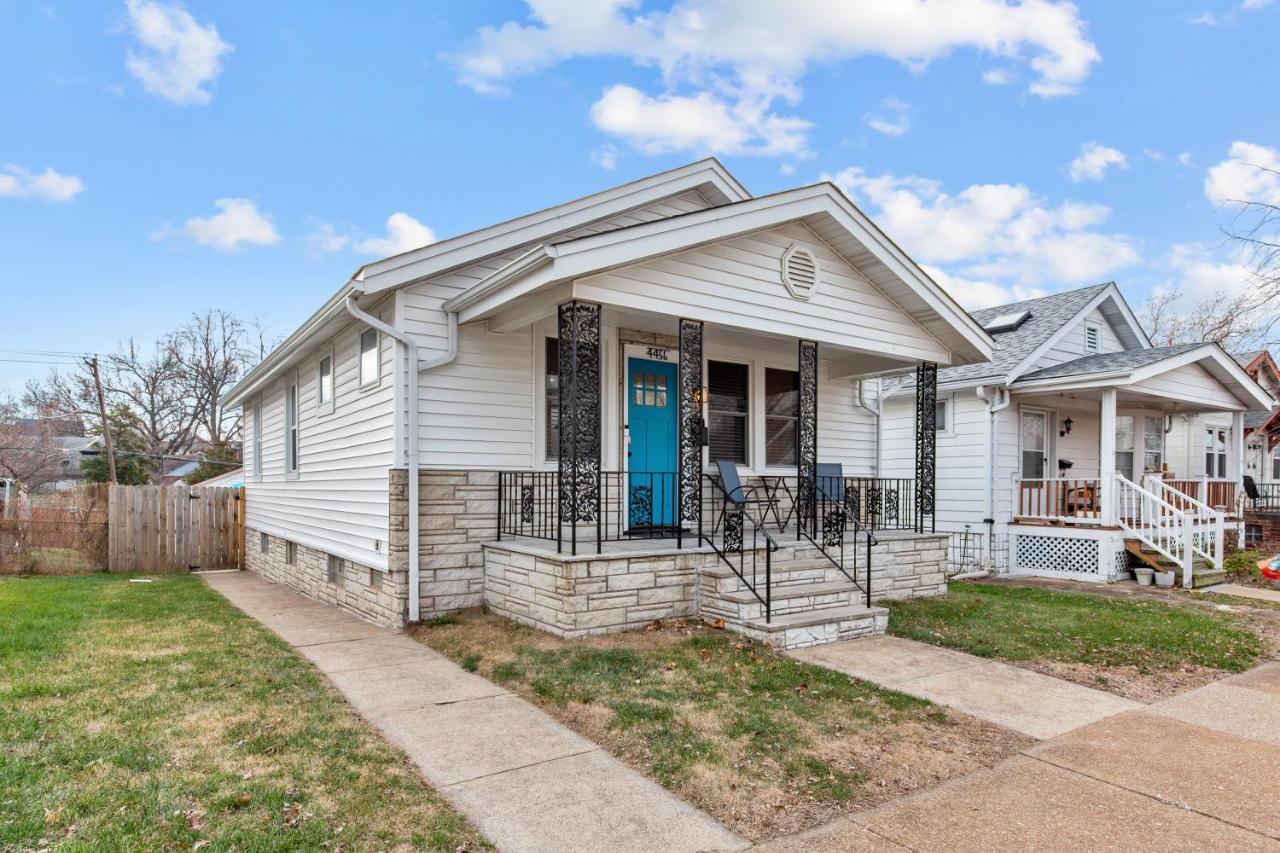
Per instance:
{"type": "Point", "coordinates": [799, 271]}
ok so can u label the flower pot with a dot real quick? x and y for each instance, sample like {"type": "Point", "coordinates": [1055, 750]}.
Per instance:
{"type": "Point", "coordinates": [1144, 575]}
{"type": "Point", "coordinates": [1165, 579]}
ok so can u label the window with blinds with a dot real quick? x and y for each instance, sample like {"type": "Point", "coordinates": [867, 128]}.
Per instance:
{"type": "Point", "coordinates": [551, 406]}
{"type": "Point", "coordinates": [727, 398]}
{"type": "Point", "coordinates": [781, 414]}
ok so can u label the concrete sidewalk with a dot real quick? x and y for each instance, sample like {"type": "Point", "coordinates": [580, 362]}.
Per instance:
{"type": "Point", "coordinates": [1195, 772]}
{"type": "Point", "coordinates": [1255, 592]}
{"type": "Point", "coordinates": [1027, 702]}
{"type": "Point", "coordinates": [525, 781]}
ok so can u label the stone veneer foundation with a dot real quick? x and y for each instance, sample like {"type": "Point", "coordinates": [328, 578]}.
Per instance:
{"type": "Point", "coordinates": [372, 594]}
{"type": "Point", "coordinates": [462, 565]}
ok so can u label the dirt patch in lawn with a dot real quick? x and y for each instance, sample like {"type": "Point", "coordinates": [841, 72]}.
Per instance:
{"type": "Point", "coordinates": [764, 743]}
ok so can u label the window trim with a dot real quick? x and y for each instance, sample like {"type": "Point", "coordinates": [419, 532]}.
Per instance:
{"type": "Point", "coordinates": [362, 381]}
{"type": "Point", "coordinates": [326, 407]}
{"type": "Point", "coordinates": [292, 459]}
{"type": "Point", "coordinates": [257, 439]}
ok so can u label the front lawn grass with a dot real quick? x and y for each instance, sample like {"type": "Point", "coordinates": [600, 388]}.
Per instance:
{"type": "Point", "coordinates": [1030, 624]}
{"type": "Point", "coordinates": [765, 743]}
{"type": "Point", "coordinates": [156, 716]}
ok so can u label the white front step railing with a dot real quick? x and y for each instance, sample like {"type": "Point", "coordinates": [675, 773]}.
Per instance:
{"type": "Point", "coordinates": [1157, 523]}
{"type": "Point", "coordinates": [1209, 526]}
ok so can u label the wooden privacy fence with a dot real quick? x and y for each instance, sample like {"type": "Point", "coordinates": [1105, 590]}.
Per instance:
{"type": "Point", "coordinates": [175, 528]}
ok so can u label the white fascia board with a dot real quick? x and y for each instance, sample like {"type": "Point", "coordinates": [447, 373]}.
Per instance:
{"type": "Point", "coordinates": [1130, 318]}
{"type": "Point", "coordinates": [532, 260]}
{"type": "Point", "coordinates": [1035, 355]}
{"type": "Point", "coordinates": [415, 265]}
{"type": "Point", "coordinates": [1249, 392]}
{"type": "Point", "coordinates": [601, 252]}
{"type": "Point", "coordinates": [297, 342]}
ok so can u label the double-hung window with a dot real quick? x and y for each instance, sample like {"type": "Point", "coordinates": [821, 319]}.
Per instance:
{"type": "Point", "coordinates": [370, 363]}
{"type": "Point", "coordinates": [257, 439]}
{"type": "Point", "coordinates": [1124, 446]}
{"type": "Point", "coordinates": [1153, 445]}
{"type": "Point", "coordinates": [781, 415]}
{"type": "Point", "coordinates": [291, 428]}
{"type": "Point", "coordinates": [1275, 463]}
{"type": "Point", "coordinates": [1215, 452]}
{"type": "Point", "coordinates": [728, 400]}
{"type": "Point", "coordinates": [324, 384]}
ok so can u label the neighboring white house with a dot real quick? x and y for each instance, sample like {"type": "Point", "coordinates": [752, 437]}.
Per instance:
{"type": "Point", "coordinates": [404, 452]}
{"type": "Point", "coordinates": [1079, 441]}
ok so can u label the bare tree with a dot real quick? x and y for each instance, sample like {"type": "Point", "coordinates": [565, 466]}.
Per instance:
{"type": "Point", "coordinates": [1238, 323]}
{"type": "Point", "coordinates": [212, 351]}
{"type": "Point", "coordinates": [1256, 228]}
{"type": "Point", "coordinates": [28, 451]}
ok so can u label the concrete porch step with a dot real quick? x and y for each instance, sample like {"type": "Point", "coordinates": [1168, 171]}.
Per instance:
{"type": "Point", "coordinates": [804, 590]}
{"type": "Point", "coordinates": [720, 570]}
{"type": "Point", "coordinates": [816, 627]}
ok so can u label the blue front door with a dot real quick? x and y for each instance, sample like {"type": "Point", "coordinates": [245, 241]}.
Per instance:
{"type": "Point", "coordinates": [651, 454]}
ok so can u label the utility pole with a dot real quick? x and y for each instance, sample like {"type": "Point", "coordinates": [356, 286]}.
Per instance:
{"type": "Point", "coordinates": [106, 426]}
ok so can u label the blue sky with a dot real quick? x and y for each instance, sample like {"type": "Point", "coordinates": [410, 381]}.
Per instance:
{"type": "Point", "coordinates": [158, 158]}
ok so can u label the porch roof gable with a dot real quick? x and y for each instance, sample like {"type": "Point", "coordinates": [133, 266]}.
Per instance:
{"type": "Point", "coordinates": [822, 207]}
{"type": "Point", "coordinates": [1136, 366]}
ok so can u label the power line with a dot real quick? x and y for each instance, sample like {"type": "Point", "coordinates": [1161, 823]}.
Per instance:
{"type": "Point", "coordinates": [138, 453]}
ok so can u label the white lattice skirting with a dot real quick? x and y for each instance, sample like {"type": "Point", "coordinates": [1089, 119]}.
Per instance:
{"type": "Point", "coordinates": [1079, 554]}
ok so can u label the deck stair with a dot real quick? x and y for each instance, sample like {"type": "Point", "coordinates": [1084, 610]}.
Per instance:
{"type": "Point", "coordinates": [812, 602]}
{"type": "Point", "coordinates": [1202, 574]}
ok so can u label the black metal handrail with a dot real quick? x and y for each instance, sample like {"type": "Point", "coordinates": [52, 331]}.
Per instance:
{"type": "Point", "coordinates": [835, 509]}
{"type": "Point", "coordinates": [729, 523]}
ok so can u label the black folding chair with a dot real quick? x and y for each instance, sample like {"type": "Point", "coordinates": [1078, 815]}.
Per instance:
{"type": "Point", "coordinates": [739, 497]}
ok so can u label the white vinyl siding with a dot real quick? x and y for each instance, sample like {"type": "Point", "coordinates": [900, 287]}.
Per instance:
{"type": "Point", "coordinates": [1074, 343]}
{"type": "Point", "coordinates": [337, 500]}
{"type": "Point", "coordinates": [255, 448]}
{"type": "Point", "coordinates": [1190, 382]}
{"type": "Point", "coordinates": [478, 412]}
{"type": "Point", "coordinates": [738, 282]}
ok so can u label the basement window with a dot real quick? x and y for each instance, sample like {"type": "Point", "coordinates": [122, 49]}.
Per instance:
{"type": "Point", "coordinates": [290, 553]}
{"type": "Point", "coordinates": [333, 569]}
{"type": "Point", "coordinates": [263, 543]}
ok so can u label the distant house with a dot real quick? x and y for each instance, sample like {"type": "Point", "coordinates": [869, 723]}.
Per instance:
{"type": "Point", "coordinates": [62, 438]}
{"type": "Point", "coordinates": [1080, 443]}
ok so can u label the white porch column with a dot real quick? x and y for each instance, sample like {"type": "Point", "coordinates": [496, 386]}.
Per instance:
{"type": "Point", "coordinates": [1107, 455]}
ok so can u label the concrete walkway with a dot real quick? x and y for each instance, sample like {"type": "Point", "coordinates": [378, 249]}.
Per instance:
{"type": "Point", "coordinates": [525, 781]}
{"type": "Point", "coordinates": [1195, 772]}
{"type": "Point", "coordinates": [1027, 702]}
{"type": "Point", "coordinates": [1254, 592]}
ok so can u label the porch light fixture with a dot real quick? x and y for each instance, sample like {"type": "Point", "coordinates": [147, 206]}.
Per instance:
{"type": "Point", "coordinates": [1066, 428]}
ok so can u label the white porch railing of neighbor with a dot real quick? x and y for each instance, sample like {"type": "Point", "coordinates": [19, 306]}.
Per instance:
{"type": "Point", "coordinates": [1157, 523]}
{"type": "Point", "coordinates": [1209, 526]}
{"type": "Point", "coordinates": [1210, 491]}
{"type": "Point", "coordinates": [1058, 499]}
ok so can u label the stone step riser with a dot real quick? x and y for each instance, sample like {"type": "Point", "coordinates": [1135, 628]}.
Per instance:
{"type": "Point", "coordinates": [871, 624]}
{"type": "Point", "coordinates": [733, 583]}
{"type": "Point", "coordinates": [742, 611]}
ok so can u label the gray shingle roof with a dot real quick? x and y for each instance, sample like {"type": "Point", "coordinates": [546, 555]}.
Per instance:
{"type": "Point", "coordinates": [1109, 361]}
{"type": "Point", "coordinates": [1048, 315]}
{"type": "Point", "coordinates": [1243, 358]}
{"type": "Point", "coordinates": [1253, 420]}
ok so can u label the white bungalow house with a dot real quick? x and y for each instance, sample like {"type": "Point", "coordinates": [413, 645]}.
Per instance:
{"type": "Point", "coordinates": [1080, 447]}
{"type": "Point", "coordinates": [545, 416]}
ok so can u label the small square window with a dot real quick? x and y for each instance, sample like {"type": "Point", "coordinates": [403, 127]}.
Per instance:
{"type": "Point", "coordinates": [324, 384]}
{"type": "Point", "coordinates": [333, 572]}
{"type": "Point", "coordinates": [940, 416]}
{"type": "Point", "coordinates": [375, 579]}
{"type": "Point", "coordinates": [369, 361]}
{"type": "Point", "coordinates": [290, 553]}
{"type": "Point", "coordinates": [263, 543]}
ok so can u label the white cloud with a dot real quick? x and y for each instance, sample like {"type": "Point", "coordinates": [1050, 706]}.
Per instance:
{"type": "Point", "coordinates": [724, 65]}
{"type": "Point", "coordinates": [893, 119]}
{"type": "Point", "coordinates": [992, 236]}
{"type": "Point", "coordinates": [1205, 19]}
{"type": "Point", "coordinates": [1199, 276]}
{"type": "Point", "coordinates": [1250, 5]}
{"type": "Point", "coordinates": [698, 123]}
{"type": "Point", "coordinates": [1153, 155]}
{"type": "Point", "coordinates": [1184, 159]}
{"type": "Point", "coordinates": [325, 238]}
{"type": "Point", "coordinates": [49, 185]}
{"type": "Point", "coordinates": [1251, 173]}
{"type": "Point", "coordinates": [238, 223]}
{"type": "Point", "coordinates": [974, 293]}
{"type": "Point", "coordinates": [606, 157]}
{"type": "Point", "coordinates": [175, 58]}
{"type": "Point", "coordinates": [997, 77]}
{"type": "Point", "coordinates": [787, 169]}
{"type": "Point", "coordinates": [1094, 160]}
{"type": "Point", "coordinates": [403, 234]}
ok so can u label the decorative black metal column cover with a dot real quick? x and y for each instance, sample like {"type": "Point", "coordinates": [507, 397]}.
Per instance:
{"type": "Point", "coordinates": [689, 460]}
{"type": "Point", "coordinates": [926, 440]}
{"type": "Point", "coordinates": [579, 348]}
{"type": "Point", "coordinates": [807, 437]}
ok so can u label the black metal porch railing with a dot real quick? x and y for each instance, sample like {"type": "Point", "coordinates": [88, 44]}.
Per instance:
{"type": "Point", "coordinates": [1268, 499]}
{"type": "Point", "coordinates": [630, 505]}
{"type": "Point", "coordinates": [828, 525]}
{"type": "Point", "coordinates": [727, 536]}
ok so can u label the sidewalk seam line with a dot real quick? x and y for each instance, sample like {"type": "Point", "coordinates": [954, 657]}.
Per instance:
{"type": "Point", "coordinates": [521, 767]}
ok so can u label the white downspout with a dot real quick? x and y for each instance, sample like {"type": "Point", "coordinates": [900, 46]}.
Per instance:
{"type": "Point", "coordinates": [875, 412]}
{"type": "Point", "coordinates": [998, 400]}
{"type": "Point", "coordinates": [412, 463]}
